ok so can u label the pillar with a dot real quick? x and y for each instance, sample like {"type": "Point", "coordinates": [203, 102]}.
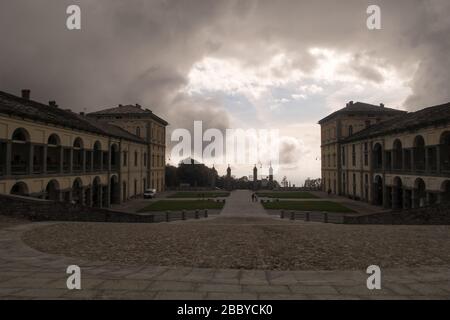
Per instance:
{"type": "Point", "coordinates": [427, 160]}
{"type": "Point", "coordinates": [90, 196]}
{"type": "Point", "coordinates": [92, 160]}
{"type": "Point", "coordinates": [100, 196]}
{"type": "Point", "coordinates": [8, 158]}
{"type": "Point", "coordinates": [394, 198]}
{"type": "Point", "coordinates": [101, 160]}
{"type": "Point", "coordinates": [30, 159]}
{"type": "Point", "coordinates": [44, 160]}
{"type": "Point", "coordinates": [405, 199]}
{"type": "Point", "coordinates": [438, 159]}
{"type": "Point", "coordinates": [61, 159]}
{"type": "Point", "coordinates": [84, 161]}
{"type": "Point", "coordinates": [71, 160]}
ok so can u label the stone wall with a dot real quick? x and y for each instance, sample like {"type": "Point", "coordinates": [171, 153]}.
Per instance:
{"type": "Point", "coordinates": [433, 215]}
{"type": "Point", "coordinates": [45, 210]}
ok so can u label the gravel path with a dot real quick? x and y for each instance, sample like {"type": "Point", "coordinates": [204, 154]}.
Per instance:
{"type": "Point", "coordinates": [248, 243]}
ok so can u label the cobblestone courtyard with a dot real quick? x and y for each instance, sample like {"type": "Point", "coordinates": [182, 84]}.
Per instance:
{"type": "Point", "coordinates": [247, 256]}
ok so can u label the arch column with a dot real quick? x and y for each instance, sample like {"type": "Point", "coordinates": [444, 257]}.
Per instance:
{"type": "Point", "coordinates": [438, 159]}
{"type": "Point", "coordinates": [8, 158]}
{"type": "Point", "coordinates": [61, 160]}
{"type": "Point", "coordinates": [30, 158]}
{"type": "Point", "coordinates": [83, 169]}
{"type": "Point", "coordinates": [44, 159]}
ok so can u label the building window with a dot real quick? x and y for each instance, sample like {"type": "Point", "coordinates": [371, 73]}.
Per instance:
{"type": "Point", "coordinates": [135, 158]}
{"type": "Point", "coordinates": [145, 159]}
{"type": "Point", "coordinates": [350, 130]}
{"type": "Point", "coordinates": [125, 157]}
{"type": "Point", "coordinates": [138, 131]}
{"type": "Point", "coordinates": [367, 123]}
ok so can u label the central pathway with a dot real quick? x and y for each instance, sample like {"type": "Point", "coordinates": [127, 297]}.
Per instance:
{"type": "Point", "coordinates": [239, 204]}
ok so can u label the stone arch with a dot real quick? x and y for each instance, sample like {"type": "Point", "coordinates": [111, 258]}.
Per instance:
{"type": "Point", "coordinates": [397, 193]}
{"type": "Point", "coordinates": [20, 189]}
{"type": "Point", "coordinates": [445, 189]}
{"type": "Point", "coordinates": [53, 153]}
{"type": "Point", "coordinates": [96, 192]}
{"type": "Point", "coordinates": [115, 156]}
{"type": "Point", "coordinates": [77, 191]}
{"type": "Point", "coordinates": [378, 190]}
{"type": "Point", "coordinates": [20, 134]}
{"type": "Point", "coordinates": [397, 153]}
{"type": "Point", "coordinates": [444, 147]}
{"type": "Point", "coordinates": [97, 155]}
{"type": "Point", "coordinates": [114, 189]}
{"type": "Point", "coordinates": [77, 154]}
{"type": "Point", "coordinates": [20, 152]}
{"type": "Point", "coordinates": [54, 140]}
{"type": "Point", "coordinates": [419, 153]}
{"type": "Point", "coordinates": [377, 156]}
{"type": "Point", "coordinates": [420, 194]}
{"type": "Point", "coordinates": [78, 143]}
{"type": "Point", "coordinates": [53, 191]}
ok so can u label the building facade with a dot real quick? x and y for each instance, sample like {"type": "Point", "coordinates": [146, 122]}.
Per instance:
{"type": "Point", "coordinates": [339, 125]}
{"type": "Point", "coordinates": [51, 153]}
{"type": "Point", "coordinates": [147, 126]}
{"type": "Point", "coordinates": [401, 161]}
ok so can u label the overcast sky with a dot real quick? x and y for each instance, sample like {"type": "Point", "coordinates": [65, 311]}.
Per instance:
{"type": "Point", "coordinates": [232, 64]}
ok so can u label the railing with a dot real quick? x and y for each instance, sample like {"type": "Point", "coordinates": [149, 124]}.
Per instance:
{"type": "Point", "coordinates": [19, 169]}
{"type": "Point", "coordinates": [52, 168]}
{"type": "Point", "coordinates": [37, 168]}
{"type": "Point", "coordinates": [313, 216]}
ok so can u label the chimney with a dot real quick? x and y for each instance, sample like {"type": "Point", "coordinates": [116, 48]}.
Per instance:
{"type": "Point", "coordinates": [120, 105]}
{"type": "Point", "coordinates": [82, 113]}
{"type": "Point", "coordinates": [350, 103]}
{"type": "Point", "coordinates": [52, 103]}
{"type": "Point", "coordinates": [381, 105]}
{"type": "Point", "coordinates": [26, 94]}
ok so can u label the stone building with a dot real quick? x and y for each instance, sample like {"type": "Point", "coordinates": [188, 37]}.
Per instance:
{"type": "Point", "coordinates": [52, 153]}
{"type": "Point", "coordinates": [146, 125]}
{"type": "Point", "coordinates": [387, 157]}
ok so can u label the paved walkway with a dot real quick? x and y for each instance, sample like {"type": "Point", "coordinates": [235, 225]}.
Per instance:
{"type": "Point", "coordinates": [239, 204]}
{"type": "Point", "coordinates": [29, 274]}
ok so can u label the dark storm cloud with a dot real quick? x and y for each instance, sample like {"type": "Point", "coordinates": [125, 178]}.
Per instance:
{"type": "Point", "coordinates": [141, 51]}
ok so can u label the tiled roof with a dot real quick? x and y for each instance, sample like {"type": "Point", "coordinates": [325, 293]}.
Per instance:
{"type": "Point", "coordinates": [127, 110]}
{"type": "Point", "coordinates": [121, 109]}
{"type": "Point", "coordinates": [436, 115]}
{"type": "Point", "coordinates": [33, 110]}
{"type": "Point", "coordinates": [361, 107]}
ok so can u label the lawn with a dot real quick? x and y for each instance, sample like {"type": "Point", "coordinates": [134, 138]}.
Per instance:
{"type": "Point", "coordinates": [326, 206]}
{"type": "Point", "coordinates": [177, 205]}
{"type": "Point", "coordinates": [199, 194]}
{"type": "Point", "coordinates": [287, 195]}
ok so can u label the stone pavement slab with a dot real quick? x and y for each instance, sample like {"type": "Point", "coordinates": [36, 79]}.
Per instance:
{"type": "Point", "coordinates": [30, 274]}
